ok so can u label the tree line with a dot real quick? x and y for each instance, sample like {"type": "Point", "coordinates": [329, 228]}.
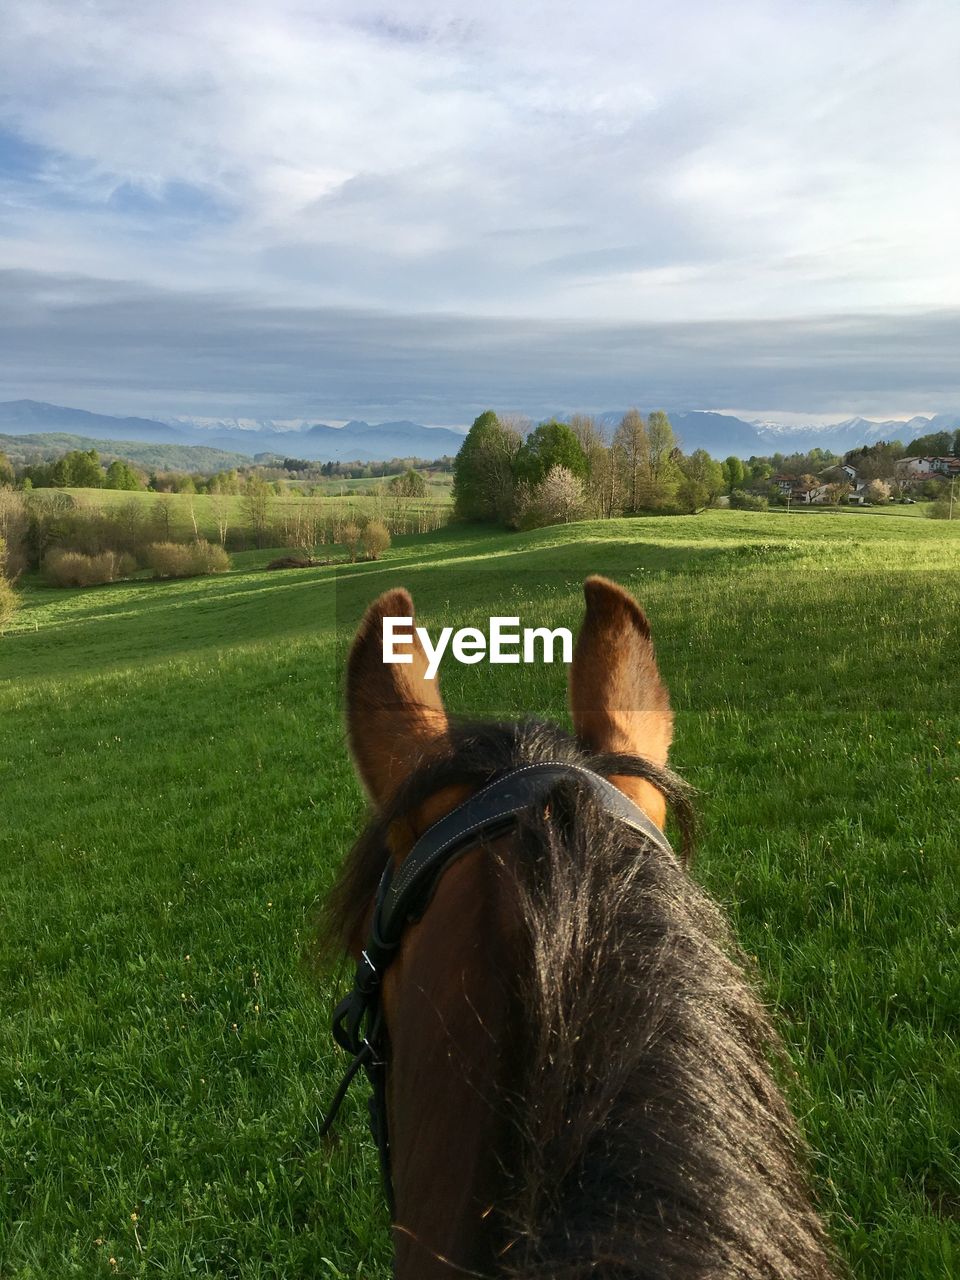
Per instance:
{"type": "Point", "coordinates": [84, 469]}
{"type": "Point", "coordinates": [510, 474]}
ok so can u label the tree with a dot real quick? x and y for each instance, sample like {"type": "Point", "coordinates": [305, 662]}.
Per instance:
{"type": "Point", "coordinates": [14, 527]}
{"type": "Point", "coordinates": [701, 469]}
{"type": "Point", "coordinates": [552, 444]}
{"type": "Point", "coordinates": [9, 600]}
{"type": "Point", "coordinates": [934, 445]}
{"type": "Point", "coordinates": [49, 515]}
{"type": "Point", "coordinates": [836, 493]}
{"type": "Point", "coordinates": [257, 501]}
{"type": "Point", "coordinates": [410, 484]}
{"type": "Point", "coordinates": [483, 470]}
{"type": "Point", "coordinates": [6, 469]}
{"type": "Point", "coordinates": [878, 491]}
{"type": "Point", "coordinates": [632, 445]}
{"type": "Point", "coordinates": [733, 472]}
{"type": "Point", "coordinates": [597, 454]}
{"type": "Point", "coordinates": [161, 518]}
{"type": "Point", "coordinates": [77, 470]}
{"type": "Point", "coordinates": [560, 495]}
{"type": "Point", "coordinates": [661, 468]}
{"type": "Point", "coordinates": [557, 499]}
{"type": "Point", "coordinates": [692, 495]}
{"type": "Point", "coordinates": [120, 475]}
{"type": "Point", "coordinates": [221, 514]}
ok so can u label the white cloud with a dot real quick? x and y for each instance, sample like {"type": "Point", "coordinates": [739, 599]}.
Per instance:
{"type": "Point", "coordinates": [756, 158]}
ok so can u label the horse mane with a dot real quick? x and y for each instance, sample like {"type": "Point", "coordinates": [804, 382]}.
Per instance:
{"type": "Point", "coordinates": [652, 1137]}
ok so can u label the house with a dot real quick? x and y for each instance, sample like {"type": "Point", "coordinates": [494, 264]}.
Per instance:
{"type": "Point", "coordinates": [809, 496]}
{"type": "Point", "coordinates": [841, 473]}
{"type": "Point", "coordinates": [783, 482]}
{"type": "Point", "coordinates": [945, 466]}
{"type": "Point", "coordinates": [914, 468]}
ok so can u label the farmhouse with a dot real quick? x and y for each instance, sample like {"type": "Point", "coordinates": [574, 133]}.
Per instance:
{"type": "Point", "coordinates": [915, 468]}
{"type": "Point", "coordinates": [809, 496]}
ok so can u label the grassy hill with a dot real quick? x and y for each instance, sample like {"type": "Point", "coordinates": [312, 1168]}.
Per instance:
{"type": "Point", "coordinates": [42, 447]}
{"type": "Point", "coordinates": [176, 795]}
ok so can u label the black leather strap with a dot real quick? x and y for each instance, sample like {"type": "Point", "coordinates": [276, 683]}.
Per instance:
{"type": "Point", "coordinates": [486, 814]}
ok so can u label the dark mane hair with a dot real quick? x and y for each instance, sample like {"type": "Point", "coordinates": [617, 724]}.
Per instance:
{"type": "Point", "coordinates": [652, 1140]}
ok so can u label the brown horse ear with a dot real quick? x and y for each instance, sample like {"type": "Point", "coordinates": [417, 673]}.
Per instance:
{"type": "Point", "coordinates": [617, 699]}
{"type": "Point", "coordinates": [394, 713]}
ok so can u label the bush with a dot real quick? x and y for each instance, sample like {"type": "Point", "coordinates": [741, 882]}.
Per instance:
{"type": "Point", "coordinates": [186, 559]}
{"type": "Point", "coordinates": [75, 569]}
{"type": "Point", "coordinates": [208, 557]}
{"type": "Point", "coordinates": [375, 539]}
{"type": "Point", "coordinates": [748, 501]}
{"type": "Point", "coordinates": [350, 536]}
{"type": "Point", "coordinates": [557, 499]}
{"type": "Point", "coordinates": [940, 510]}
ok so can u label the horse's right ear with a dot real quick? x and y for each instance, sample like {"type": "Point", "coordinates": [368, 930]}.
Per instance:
{"type": "Point", "coordinates": [394, 713]}
{"type": "Point", "coordinates": [617, 699]}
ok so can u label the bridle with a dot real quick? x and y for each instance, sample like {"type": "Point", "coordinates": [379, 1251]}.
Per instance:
{"type": "Point", "coordinates": [404, 894]}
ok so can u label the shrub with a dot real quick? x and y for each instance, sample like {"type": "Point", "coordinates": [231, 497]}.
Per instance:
{"type": "Point", "coordinates": [940, 510]}
{"type": "Point", "coordinates": [557, 499]}
{"type": "Point", "coordinates": [747, 501]}
{"type": "Point", "coordinates": [209, 557]}
{"type": "Point", "coordinates": [350, 536]}
{"type": "Point", "coordinates": [75, 569]}
{"type": "Point", "coordinates": [186, 559]}
{"type": "Point", "coordinates": [375, 539]}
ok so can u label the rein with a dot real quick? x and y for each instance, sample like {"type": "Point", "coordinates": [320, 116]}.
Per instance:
{"type": "Point", "coordinates": [404, 894]}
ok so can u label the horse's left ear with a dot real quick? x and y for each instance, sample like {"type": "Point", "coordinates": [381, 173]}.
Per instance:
{"type": "Point", "coordinates": [394, 713]}
{"type": "Point", "coordinates": [617, 699]}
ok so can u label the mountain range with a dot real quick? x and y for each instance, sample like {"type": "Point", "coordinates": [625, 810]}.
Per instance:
{"type": "Point", "coordinates": [720, 434]}
{"type": "Point", "coordinates": [353, 442]}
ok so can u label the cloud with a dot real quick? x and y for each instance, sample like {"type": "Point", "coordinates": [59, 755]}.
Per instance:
{"type": "Point", "coordinates": [688, 161]}
{"type": "Point", "coordinates": [125, 348]}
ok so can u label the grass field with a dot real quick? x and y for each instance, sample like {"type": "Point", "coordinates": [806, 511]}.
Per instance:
{"type": "Point", "coordinates": [205, 508]}
{"type": "Point", "coordinates": [176, 795]}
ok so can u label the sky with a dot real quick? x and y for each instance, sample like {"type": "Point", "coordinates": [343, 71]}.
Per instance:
{"type": "Point", "coordinates": [420, 209]}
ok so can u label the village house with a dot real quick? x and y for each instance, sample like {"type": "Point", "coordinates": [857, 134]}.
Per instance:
{"type": "Point", "coordinates": [811, 496]}
{"type": "Point", "coordinates": [915, 468]}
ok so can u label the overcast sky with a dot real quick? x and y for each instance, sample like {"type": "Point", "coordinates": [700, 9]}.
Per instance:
{"type": "Point", "coordinates": [419, 209]}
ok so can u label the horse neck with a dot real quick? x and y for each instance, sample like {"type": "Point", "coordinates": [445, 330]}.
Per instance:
{"type": "Point", "coordinates": [450, 1000]}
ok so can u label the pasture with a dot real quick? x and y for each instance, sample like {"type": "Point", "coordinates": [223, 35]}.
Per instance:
{"type": "Point", "coordinates": [203, 513]}
{"type": "Point", "coordinates": [175, 795]}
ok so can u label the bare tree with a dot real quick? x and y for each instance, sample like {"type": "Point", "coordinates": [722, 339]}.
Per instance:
{"type": "Point", "coordinates": [256, 507]}
{"type": "Point", "coordinates": [161, 518]}
{"type": "Point", "coordinates": [597, 454]}
{"type": "Point", "coordinates": [633, 447]}
{"type": "Point", "coordinates": [220, 506]}
{"type": "Point", "coordinates": [14, 527]}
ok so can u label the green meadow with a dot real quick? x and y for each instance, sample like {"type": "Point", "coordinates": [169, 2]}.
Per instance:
{"type": "Point", "coordinates": [203, 512]}
{"type": "Point", "coordinates": [175, 796]}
